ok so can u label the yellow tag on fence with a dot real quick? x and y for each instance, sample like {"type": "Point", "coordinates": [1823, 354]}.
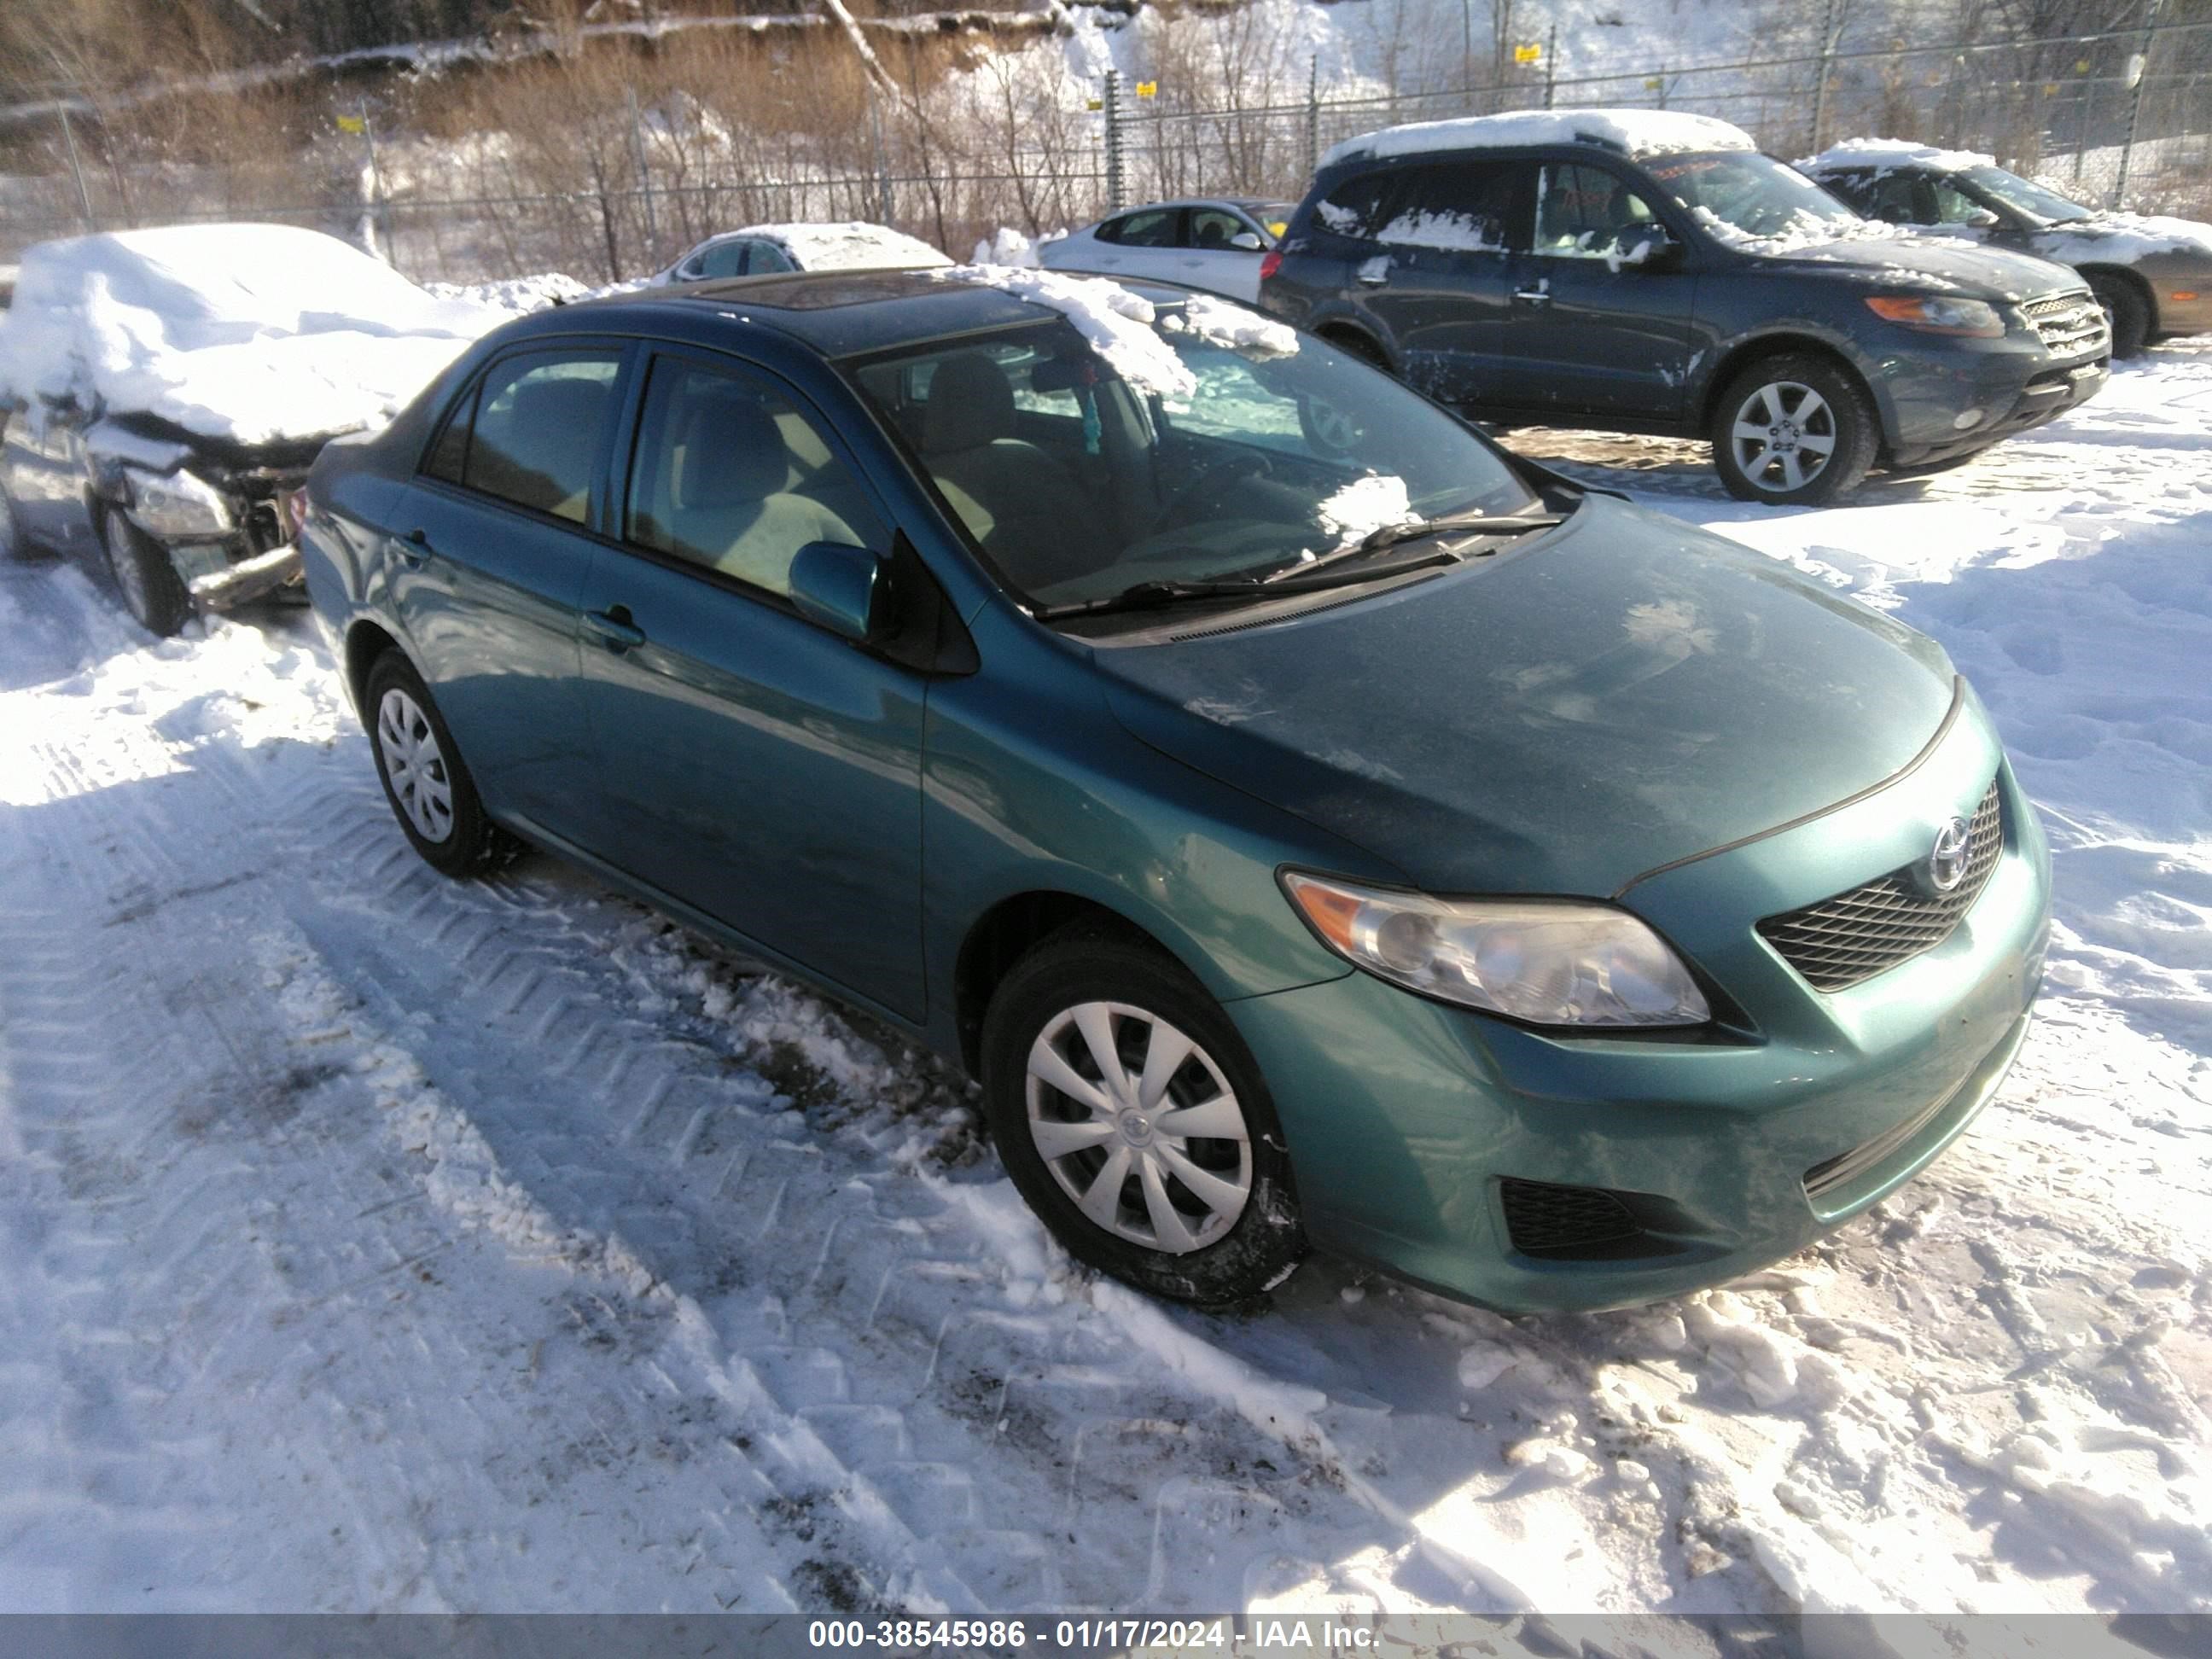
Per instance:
{"type": "Point", "coordinates": [1148, 89]}
{"type": "Point", "coordinates": [1527, 54]}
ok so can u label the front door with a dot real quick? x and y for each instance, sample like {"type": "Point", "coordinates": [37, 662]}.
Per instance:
{"type": "Point", "coordinates": [1590, 331]}
{"type": "Point", "coordinates": [754, 767]}
{"type": "Point", "coordinates": [486, 568]}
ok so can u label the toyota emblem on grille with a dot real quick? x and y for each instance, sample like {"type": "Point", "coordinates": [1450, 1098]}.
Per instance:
{"type": "Point", "coordinates": [1947, 861]}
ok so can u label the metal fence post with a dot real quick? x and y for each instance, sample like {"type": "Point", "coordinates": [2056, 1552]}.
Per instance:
{"type": "Point", "coordinates": [644, 175]}
{"type": "Point", "coordinates": [1112, 140]}
{"type": "Point", "coordinates": [1313, 114]}
{"type": "Point", "coordinates": [76, 167]}
{"type": "Point", "coordinates": [1550, 63]}
{"type": "Point", "coordinates": [883, 164]}
{"type": "Point", "coordinates": [2139, 73]}
{"type": "Point", "coordinates": [1831, 29]}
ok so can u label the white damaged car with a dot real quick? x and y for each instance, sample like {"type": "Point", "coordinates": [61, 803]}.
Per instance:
{"type": "Point", "coordinates": [166, 390]}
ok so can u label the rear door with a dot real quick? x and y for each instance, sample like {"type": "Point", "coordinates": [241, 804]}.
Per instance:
{"type": "Point", "coordinates": [755, 767]}
{"type": "Point", "coordinates": [488, 566]}
{"type": "Point", "coordinates": [1145, 243]}
{"type": "Point", "coordinates": [1589, 332]}
{"type": "Point", "coordinates": [1439, 277]}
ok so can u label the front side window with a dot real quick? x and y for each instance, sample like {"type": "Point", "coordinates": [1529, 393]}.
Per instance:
{"type": "Point", "coordinates": [1213, 229]}
{"type": "Point", "coordinates": [1953, 206]}
{"type": "Point", "coordinates": [723, 259]}
{"type": "Point", "coordinates": [1739, 193]}
{"type": "Point", "coordinates": [540, 421]}
{"type": "Point", "coordinates": [729, 476]}
{"type": "Point", "coordinates": [1893, 199]}
{"type": "Point", "coordinates": [766, 260]}
{"type": "Point", "coordinates": [1223, 459]}
{"type": "Point", "coordinates": [1585, 212]}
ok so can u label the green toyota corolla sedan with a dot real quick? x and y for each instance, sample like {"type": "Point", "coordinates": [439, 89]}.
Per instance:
{"type": "Point", "coordinates": [1309, 823]}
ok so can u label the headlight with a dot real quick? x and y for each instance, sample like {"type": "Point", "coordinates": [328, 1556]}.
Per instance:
{"type": "Point", "coordinates": [178, 505]}
{"type": "Point", "coordinates": [1550, 961]}
{"type": "Point", "coordinates": [1930, 315]}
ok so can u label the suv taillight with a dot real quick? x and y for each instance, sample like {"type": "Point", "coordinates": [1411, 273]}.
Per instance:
{"type": "Point", "coordinates": [1271, 263]}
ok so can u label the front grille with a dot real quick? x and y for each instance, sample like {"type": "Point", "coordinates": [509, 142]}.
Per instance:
{"type": "Point", "coordinates": [1542, 1220]}
{"type": "Point", "coordinates": [1870, 930]}
{"type": "Point", "coordinates": [2070, 324]}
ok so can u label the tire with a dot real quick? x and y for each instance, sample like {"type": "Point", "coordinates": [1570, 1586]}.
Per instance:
{"type": "Point", "coordinates": [14, 543]}
{"type": "Point", "coordinates": [1359, 346]}
{"type": "Point", "coordinates": [1210, 1219]}
{"type": "Point", "coordinates": [151, 590]}
{"type": "Point", "coordinates": [1789, 399]}
{"type": "Point", "coordinates": [425, 781]}
{"type": "Point", "coordinates": [2125, 312]}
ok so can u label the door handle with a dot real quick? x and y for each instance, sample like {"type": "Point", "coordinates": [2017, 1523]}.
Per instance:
{"type": "Point", "coordinates": [1534, 296]}
{"type": "Point", "coordinates": [413, 548]}
{"type": "Point", "coordinates": [1374, 278]}
{"type": "Point", "coordinates": [615, 629]}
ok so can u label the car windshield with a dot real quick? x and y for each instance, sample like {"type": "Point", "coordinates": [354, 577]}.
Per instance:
{"type": "Point", "coordinates": [1744, 193]}
{"type": "Point", "coordinates": [1214, 458]}
{"type": "Point", "coordinates": [2026, 196]}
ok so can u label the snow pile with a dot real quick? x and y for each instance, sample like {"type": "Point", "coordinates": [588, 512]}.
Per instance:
{"type": "Point", "coordinates": [1638, 131]}
{"type": "Point", "coordinates": [1888, 155]}
{"type": "Point", "coordinates": [1117, 323]}
{"type": "Point", "coordinates": [1008, 247]}
{"type": "Point", "coordinates": [517, 294]}
{"type": "Point", "coordinates": [1224, 323]}
{"type": "Point", "coordinates": [854, 245]}
{"type": "Point", "coordinates": [1365, 506]}
{"type": "Point", "coordinates": [252, 333]}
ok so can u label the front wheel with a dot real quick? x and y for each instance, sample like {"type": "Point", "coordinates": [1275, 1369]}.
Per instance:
{"type": "Point", "coordinates": [1132, 1118]}
{"type": "Point", "coordinates": [152, 590]}
{"type": "Point", "coordinates": [2125, 314]}
{"type": "Point", "coordinates": [1793, 431]}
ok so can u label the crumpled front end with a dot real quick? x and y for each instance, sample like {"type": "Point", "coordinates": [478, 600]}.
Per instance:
{"type": "Point", "coordinates": [230, 531]}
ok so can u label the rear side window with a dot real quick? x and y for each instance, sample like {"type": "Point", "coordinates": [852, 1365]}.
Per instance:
{"type": "Point", "coordinates": [1460, 205]}
{"type": "Point", "coordinates": [1155, 228]}
{"type": "Point", "coordinates": [1896, 198]}
{"type": "Point", "coordinates": [1354, 208]}
{"type": "Point", "coordinates": [723, 259]}
{"type": "Point", "coordinates": [767, 258]}
{"type": "Point", "coordinates": [539, 422]}
{"type": "Point", "coordinates": [1855, 189]}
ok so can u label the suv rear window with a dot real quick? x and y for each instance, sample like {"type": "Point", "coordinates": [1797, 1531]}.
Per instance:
{"type": "Point", "coordinates": [1354, 208]}
{"type": "Point", "coordinates": [1463, 205]}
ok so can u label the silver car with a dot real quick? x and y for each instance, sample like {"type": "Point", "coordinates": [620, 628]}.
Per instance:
{"type": "Point", "coordinates": [1213, 242]}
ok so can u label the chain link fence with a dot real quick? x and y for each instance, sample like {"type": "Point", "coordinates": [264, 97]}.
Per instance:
{"type": "Point", "coordinates": [2118, 118]}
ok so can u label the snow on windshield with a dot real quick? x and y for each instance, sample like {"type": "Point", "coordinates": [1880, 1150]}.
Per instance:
{"type": "Point", "coordinates": [1638, 131]}
{"type": "Point", "coordinates": [1365, 506]}
{"type": "Point", "coordinates": [253, 333]}
{"type": "Point", "coordinates": [854, 245]}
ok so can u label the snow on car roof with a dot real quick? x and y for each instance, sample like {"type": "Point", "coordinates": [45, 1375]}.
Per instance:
{"type": "Point", "coordinates": [250, 333]}
{"type": "Point", "coordinates": [855, 245]}
{"type": "Point", "coordinates": [1888, 155]}
{"type": "Point", "coordinates": [1638, 131]}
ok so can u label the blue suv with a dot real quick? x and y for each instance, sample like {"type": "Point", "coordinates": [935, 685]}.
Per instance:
{"type": "Point", "coordinates": [1651, 272]}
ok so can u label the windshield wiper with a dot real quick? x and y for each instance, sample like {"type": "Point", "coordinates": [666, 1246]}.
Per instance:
{"type": "Point", "coordinates": [1414, 530]}
{"type": "Point", "coordinates": [1148, 596]}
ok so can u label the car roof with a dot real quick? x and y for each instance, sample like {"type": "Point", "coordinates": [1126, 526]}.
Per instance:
{"type": "Point", "coordinates": [839, 313]}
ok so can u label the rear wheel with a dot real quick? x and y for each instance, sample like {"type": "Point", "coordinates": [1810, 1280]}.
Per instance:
{"type": "Point", "coordinates": [2125, 313]}
{"type": "Point", "coordinates": [1130, 1115]}
{"type": "Point", "coordinates": [1794, 431]}
{"type": "Point", "coordinates": [152, 590]}
{"type": "Point", "coordinates": [428, 787]}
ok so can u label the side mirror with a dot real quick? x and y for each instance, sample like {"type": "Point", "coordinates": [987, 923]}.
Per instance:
{"type": "Point", "coordinates": [847, 590]}
{"type": "Point", "coordinates": [1247, 241]}
{"type": "Point", "coordinates": [1648, 246]}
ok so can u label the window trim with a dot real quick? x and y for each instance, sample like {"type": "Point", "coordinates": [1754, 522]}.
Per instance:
{"type": "Point", "coordinates": [625, 354]}
{"type": "Point", "coordinates": [631, 434]}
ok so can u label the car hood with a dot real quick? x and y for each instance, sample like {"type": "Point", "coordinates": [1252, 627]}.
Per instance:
{"type": "Point", "coordinates": [1948, 265]}
{"type": "Point", "coordinates": [1624, 692]}
{"type": "Point", "coordinates": [2124, 236]}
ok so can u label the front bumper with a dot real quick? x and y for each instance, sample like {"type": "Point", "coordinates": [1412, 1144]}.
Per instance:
{"type": "Point", "coordinates": [2015, 395]}
{"type": "Point", "coordinates": [1407, 1119]}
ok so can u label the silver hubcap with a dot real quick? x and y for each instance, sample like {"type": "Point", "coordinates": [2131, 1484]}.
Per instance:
{"type": "Point", "coordinates": [1139, 1127]}
{"type": "Point", "coordinates": [415, 765]}
{"type": "Point", "coordinates": [1783, 436]}
{"type": "Point", "coordinates": [122, 559]}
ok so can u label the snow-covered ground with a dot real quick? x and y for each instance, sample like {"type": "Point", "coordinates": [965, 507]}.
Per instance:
{"type": "Point", "coordinates": [372, 1240]}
